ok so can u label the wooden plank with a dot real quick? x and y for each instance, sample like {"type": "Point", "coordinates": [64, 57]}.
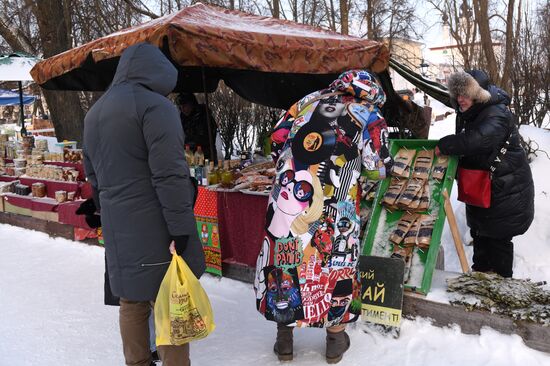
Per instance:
{"type": "Point", "coordinates": [238, 271]}
{"type": "Point", "coordinates": [51, 228]}
{"type": "Point", "coordinates": [534, 335]}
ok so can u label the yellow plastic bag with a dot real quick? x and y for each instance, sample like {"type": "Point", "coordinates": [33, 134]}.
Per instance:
{"type": "Point", "coordinates": [182, 309]}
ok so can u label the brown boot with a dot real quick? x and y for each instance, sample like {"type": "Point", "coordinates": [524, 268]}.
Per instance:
{"type": "Point", "coordinates": [284, 345]}
{"type": "Point", "coordinates": [337, 344]}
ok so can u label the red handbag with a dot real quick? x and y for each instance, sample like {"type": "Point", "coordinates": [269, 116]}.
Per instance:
{"type": "Point", "coordinates": [474, 187]}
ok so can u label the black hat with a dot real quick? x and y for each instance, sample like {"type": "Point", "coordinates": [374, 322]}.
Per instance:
{"type": "Point", "coordinates": [343, 288]}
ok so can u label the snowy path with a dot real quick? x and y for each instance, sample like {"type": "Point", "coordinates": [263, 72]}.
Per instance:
{"type": "Point", "coordinates": [51, 296]}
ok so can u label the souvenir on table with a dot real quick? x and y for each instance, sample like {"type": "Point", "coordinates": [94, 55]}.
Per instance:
{"type": "Point", "coordinates": [61, 196]}
{"type": "Point", "coordinates": [38, 190]}
{"type": "Point", "coordinates": [22, 189]}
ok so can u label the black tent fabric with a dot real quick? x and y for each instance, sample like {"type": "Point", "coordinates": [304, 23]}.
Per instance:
{"type": "Point", "coordinates": [432, 88]}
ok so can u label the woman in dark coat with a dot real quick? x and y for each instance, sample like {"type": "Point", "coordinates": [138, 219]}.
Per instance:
{"type": "Point", "coordinates": [488, 124]}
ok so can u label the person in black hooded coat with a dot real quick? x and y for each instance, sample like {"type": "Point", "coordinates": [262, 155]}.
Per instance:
{"type": "Point", "coordinates": [135, 162]}
{"type": "Point", "coordinates": [488, 123]}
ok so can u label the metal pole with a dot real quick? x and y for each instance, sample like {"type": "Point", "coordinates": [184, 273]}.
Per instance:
{"type": "Point", "coordinates": [213, 150]}
{"type": "Point", "coordinates": [21, 111]}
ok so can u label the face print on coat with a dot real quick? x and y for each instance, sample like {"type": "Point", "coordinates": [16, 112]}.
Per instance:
{"type": "Point", "coordinates": [261, 262]}
{"type": "Point", "coordinates": [330, 108]}
{"type": "Point", "coordinates": [341, 298]}
{"type": "Point", "coordinates": [294, 196]}
{"type": "Point", "coordinates": [283, 296]}
{"type": "Point", "coordinates": [296, 191]}
{"type": "Point", "coordinates": [322, 239]}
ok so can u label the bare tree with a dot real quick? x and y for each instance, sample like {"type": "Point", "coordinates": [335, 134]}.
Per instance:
{"type": "Point", "coordinates": [226, 112]}
{"type": "Point", "coordinates": [387, 19]}
{"type": "Point", "coordinates": [530, 75]}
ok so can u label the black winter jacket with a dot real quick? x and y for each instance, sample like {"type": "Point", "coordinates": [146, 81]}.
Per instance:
{"type": "Point", "coordinates": [486, 127]}
{"type": "Point", "coordinates": [135, 161]}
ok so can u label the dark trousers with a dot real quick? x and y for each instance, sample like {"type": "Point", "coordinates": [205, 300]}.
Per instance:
{"type": "Point", "coordinates": [134, 329]}
{"type": "Point", "coordinates": [493, 254]}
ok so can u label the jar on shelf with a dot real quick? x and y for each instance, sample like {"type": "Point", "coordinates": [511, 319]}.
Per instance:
{"type": "Point", "coordinates": [61, 196]}
{"type": "Point", "coordinates": [38, 190]}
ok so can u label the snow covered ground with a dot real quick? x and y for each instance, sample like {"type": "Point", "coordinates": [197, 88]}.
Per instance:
{"type": "Point", "coordinates": [51, 296]}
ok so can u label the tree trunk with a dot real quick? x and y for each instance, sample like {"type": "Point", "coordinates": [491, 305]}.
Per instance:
{"type": "Point", "coordinates": [14, 37]}
{"type": "Point", "coordinates": [370, 16]}
{"type": "Point", "coordinates": [509, 52]}
{"type": "Point", "coordinates": [66, 111]}
{"type": "Point", "coordinates": [482, 19]}
{"type": "Point", "coordinates": [344, 13]}
{"type": "Point", "coordinates": [276, 6]}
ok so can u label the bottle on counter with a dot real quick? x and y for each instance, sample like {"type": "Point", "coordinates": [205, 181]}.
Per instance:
{"type": "Point", "coordinates": [205, 171]}
{"type": "Point", "coordinates": [212, 174]}
{"type": "Point", "coordinates": [198, 174]}
{"type": "Point", "coordinates": [227, 175]}
{"type": "Point", "coordinates": [188, 155]}
{"type": "Point", "coordinates": [219, 171]}
{"type": "Point", "coordinates": [199, 156]}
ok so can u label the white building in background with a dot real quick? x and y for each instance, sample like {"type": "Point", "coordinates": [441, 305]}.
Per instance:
{"type": "Point", "coordinates": [444, 56]}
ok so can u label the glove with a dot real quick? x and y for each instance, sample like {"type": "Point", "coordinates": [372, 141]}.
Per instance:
{"type": "Point", "coordinates": [86, 208]}
{"type": "Point", "coordinates": [93, 221]}
{"type": "Point", "coordinates": [180, 243]}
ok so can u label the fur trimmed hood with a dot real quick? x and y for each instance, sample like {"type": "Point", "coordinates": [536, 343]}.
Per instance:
{"type": "Point", "coordinates": [468, 84]}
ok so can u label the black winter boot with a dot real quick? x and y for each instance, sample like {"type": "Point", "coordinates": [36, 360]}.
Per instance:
{"type": "Point", "coordinates": [337, 344]}
{"type": "Point", "coordinates": [283, 347]}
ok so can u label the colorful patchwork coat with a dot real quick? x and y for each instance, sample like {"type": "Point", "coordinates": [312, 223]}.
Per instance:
{"type": "Point", "coordinates": [306, 270]}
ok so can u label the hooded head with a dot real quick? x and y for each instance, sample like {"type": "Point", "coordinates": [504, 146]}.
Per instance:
{"type": "Point", "coordinates": [145, 64]}
{"type": "Point", "coordinates": [361, 84]}
{"type": "Point", "coordinates": [473, 84]}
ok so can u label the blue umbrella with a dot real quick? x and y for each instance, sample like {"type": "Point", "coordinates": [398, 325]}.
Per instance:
{"type": "Point", "coordinates": [17, 67]}
{"type": "Point", "coordinates": [8, 97]}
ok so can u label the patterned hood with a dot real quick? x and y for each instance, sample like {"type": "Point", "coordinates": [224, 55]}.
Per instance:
{"type": "Point", "coordinates": [361, 84]}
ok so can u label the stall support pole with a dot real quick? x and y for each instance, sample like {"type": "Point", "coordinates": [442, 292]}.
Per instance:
{"type": "Point", "coordinates": [21, 110]}
{"type": "Point", "coordinates": [454, 231]}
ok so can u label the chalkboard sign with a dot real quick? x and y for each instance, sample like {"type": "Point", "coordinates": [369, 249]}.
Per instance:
{"type": "Point", "coordinates": [381, 289]}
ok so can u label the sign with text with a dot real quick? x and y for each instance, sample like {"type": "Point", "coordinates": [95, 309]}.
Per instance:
{"type": "Point", "coordinates": [381, 289]}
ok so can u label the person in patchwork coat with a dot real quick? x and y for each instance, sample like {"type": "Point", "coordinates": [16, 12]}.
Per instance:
{"type": "Point", "coordinates": [306, 270]}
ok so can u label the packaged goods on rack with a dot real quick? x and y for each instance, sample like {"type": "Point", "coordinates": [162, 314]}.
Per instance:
{"type": "Point", "coordinates": [10, 169]}
{"type": "Point", "coordinates": [72, 155]}
{"type": "Point", "coordinates": [71, 196]}
{"type": "Point", "coordinates": [61, 196]}
{"type": "Point", "coordinates": [8, 187]}
{"type": "Point", "coordinates": [22, 190]}
{"type": "Point", "coordinates": [407, 216]}
{"type": "Point", "coordinates": [440, 167]}
{"type": "Point", "coordinates": [53, 156]}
